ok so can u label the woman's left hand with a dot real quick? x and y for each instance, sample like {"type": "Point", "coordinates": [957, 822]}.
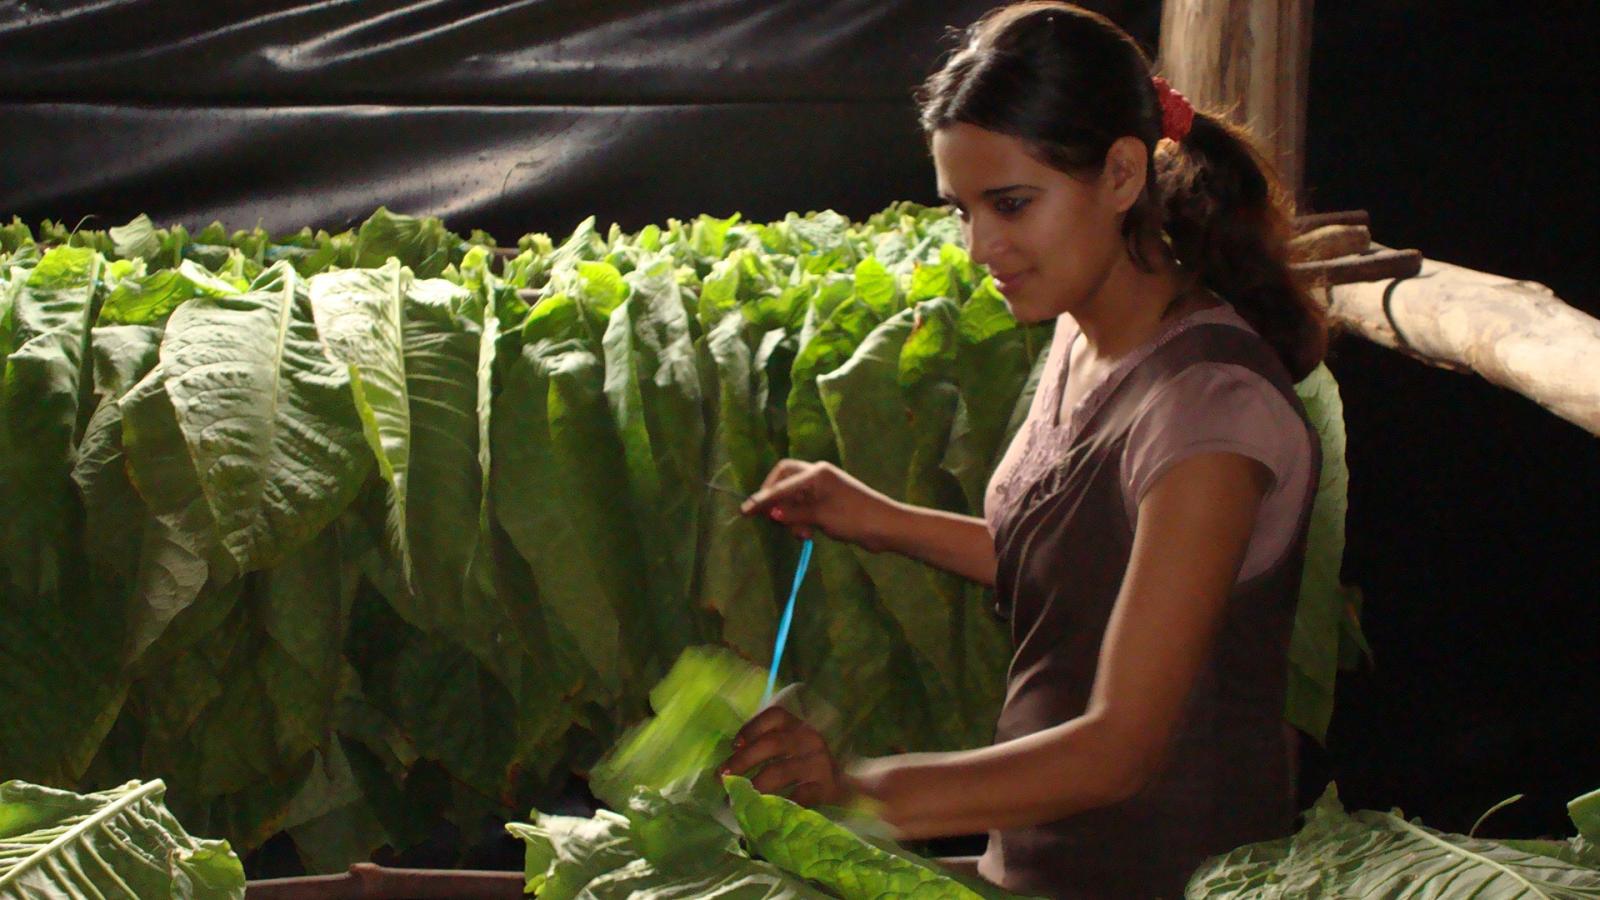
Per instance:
{"type": "Point", "coordinates": [795, 756]}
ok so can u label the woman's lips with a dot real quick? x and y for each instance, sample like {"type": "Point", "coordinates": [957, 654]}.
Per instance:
{"type": "Point", "coordinates": [1008, 283]}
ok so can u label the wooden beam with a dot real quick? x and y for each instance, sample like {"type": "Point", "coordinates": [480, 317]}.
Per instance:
{"type": "Point", "coordinates": [1250, 59]}
{"type": "Point", "coordinates": [1516, 334]}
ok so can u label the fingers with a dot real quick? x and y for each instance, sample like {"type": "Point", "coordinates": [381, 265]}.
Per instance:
{"type": "Point", "coordinates": [784, 469]}
{"type": "Point", "coordinates": [808, 773]}
{"type": "Point", "coordinates": [772, 718]}
{"type": "Point", "coordinates": [774, 734]}
{"type": "Point", "coordinates": [783, 490]}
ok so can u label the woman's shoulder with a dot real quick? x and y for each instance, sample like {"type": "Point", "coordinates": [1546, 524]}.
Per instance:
{"type": "Point", "coordinates": [1214, 405]}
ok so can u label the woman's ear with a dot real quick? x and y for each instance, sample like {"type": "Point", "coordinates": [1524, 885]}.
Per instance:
{"type": "Point", "coordinates": [1125, 170]}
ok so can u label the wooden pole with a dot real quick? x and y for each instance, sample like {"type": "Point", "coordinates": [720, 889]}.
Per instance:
{"type": "Point", "coordinates": [1251, 59]}
{"type": "Point", "coordinates": [1516, 334]}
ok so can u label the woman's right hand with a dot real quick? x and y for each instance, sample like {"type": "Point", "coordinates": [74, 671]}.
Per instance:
{"type": "Point", "coordinates": [803, 496]}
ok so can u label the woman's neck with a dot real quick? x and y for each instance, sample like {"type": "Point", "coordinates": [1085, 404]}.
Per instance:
{"type": "Point", "coordinates": [1131, 305]}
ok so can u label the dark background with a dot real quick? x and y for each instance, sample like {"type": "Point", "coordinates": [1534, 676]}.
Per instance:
{"type": "Point", "coordinates": [1467, 129]}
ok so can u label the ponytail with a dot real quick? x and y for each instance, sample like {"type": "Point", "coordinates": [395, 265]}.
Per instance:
{"type": "Point", "coordinates": [1227, 222]}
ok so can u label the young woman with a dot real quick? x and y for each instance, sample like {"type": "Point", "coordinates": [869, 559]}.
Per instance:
{"type": "Point", "coordinates": [1144, 532]}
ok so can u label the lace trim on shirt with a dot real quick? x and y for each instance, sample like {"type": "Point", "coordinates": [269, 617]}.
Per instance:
{"type": "Point", "coordinates": [1044, 443]}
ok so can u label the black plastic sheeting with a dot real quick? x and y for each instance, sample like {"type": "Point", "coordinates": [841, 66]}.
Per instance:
{"type": "Point", "coordinates": [506, 116]}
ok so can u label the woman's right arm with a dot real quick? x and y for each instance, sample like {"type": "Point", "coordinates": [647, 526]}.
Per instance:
{"type": "Point", "coordinates": [804, 496]}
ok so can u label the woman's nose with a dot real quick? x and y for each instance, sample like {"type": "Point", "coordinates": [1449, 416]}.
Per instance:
{"type": "Point", "coordinates": [984, 242]}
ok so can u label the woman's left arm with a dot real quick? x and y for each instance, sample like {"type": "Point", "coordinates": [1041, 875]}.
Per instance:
{"type": "Point", "coordinates": [1193, 528]}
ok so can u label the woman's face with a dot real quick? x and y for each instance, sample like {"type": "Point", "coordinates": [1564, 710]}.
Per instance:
{"type": "Point", "coordinates": [1048, 238]}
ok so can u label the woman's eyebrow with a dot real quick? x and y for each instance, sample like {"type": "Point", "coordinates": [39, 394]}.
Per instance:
{"type": "Point", "coordinates": [993, 192]}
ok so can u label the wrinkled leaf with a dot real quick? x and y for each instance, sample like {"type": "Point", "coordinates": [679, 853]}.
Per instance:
{"type": "Point", "coordinates": [115, 843]}
{"type": "Point", "coordinates": [268, 420]}
{"type": "Point", "coordinates": [1378, 855]}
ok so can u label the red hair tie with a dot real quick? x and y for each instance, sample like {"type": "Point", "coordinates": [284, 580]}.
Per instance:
{"type": "Point", "coordinates": [1177, 115]}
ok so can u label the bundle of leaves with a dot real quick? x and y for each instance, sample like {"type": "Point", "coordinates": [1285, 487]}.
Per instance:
{"type": "Point", "coordinates": [676, 830]}
{"type": "Point", "coordinates": [376, 536]}
{"type": "Point", "coordinates": [1383, 855]}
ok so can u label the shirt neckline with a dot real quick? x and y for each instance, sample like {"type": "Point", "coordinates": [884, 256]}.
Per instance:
{"type": "Point", "coordinates": [1069, 421]}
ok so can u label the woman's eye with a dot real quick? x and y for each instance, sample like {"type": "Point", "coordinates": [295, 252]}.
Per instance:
{"type": "Point", "coordinates": [1008, 206]}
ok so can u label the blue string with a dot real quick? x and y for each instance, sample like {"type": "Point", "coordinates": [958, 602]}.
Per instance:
{"type": "Point", "coordinates": [788, 616]}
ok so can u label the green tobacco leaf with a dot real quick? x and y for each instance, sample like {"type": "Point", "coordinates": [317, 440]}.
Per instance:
{"type": "Point", "coordinates": [488, 354]}
{"type": "Point", "coordinates": [421, 244]}
{"type": "Point", "coordinates": [867, 671]}
{"type": "Point", "coordinates": [878, 288]}
{"type": "Point", "coordinates": [737, 581]}
{"type": "Point", "coordinates": [453, 708]}
{"type": "Point", "coordinates": [677, 829]}
{"type": "Point", "coordinates": [236, 717]}
{"type": "Point", "coordinates": [115, 843]}
{"type": "Point", "coordinates": [179, 543]}
{"type": "Point", "coordinates": [1585, 813]}
{"type": "Point", "coordinates": [598, 859]}
{"type": "Point", "coordinates": [1323, 611]}
{"type": "Point", "coordinates": [11, 282]}
{"type": "Point", "coordinates": [980, 648]}
{"type": "Point", "coordinates": [62, 627]}
{"type": "Point", "coordinates": [1373, 854]}
{"type": "Point", "coordinates": [700, 705]}
{"type": "Point", "coordinates": [416, 370]}
{"type": "Point", "coordinates": [558, 490]}
{"type": "Point", "coordinates": [565, 853]}
{"type": "Point", "coordinates": [866, 406]}
{"type": "Point", "coordinates": [728, 877]}
{"type": "Point", "coordinates": [450, 706]}
{"type": "Point", "coordinates": [305, 614]}
{"type": "Point", "coordinates": [113, 511]}
{"type": "Point", "coordinates": [1578, 851]}
{"type": "Point", "coordinates": [806, 843]}
{"type": "Point", "coordinates": [835, 339]}
{"type": "Point", "coordinates": [123, 354]}
{"type": "Point", "coordinates": [653, 388]}
{"type": "Point", "coordinates": [63, 681]}
{"type": "Point", "coordinates": [931, 281]}
{"type": "Point", "coordinates": [15, 236]}
{"type": "Point", "coordinates": [330, 821]}
{"type": "Point", "coordinates": [267, 418]}
{"type": "Point", "coordinates": [39, 394]}
{"type": "Point", "coordinates": [449, 362]}
{"type": "Point", "coordinates": [1039, 354]}
{"type": "Point", "coordinates": [136, 239]}
{"type": "Point", "coordinates": [731, 282]}
{"type": "Point", "coordinates": [992, 363]}
{"type": "Point", "coordinates": [359, 316]}
{"type": "Point", "coordinates": [149, 299]}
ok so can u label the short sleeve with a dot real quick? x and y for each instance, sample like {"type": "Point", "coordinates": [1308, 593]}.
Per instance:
{"type": "Point", "coordinates": [1220, 407]}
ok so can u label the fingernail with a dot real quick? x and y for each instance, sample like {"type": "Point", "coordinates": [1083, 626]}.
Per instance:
{"type": "Point", "coordinates": [777, 515]}
{"type": "Point", "coordinates": [724, 771]}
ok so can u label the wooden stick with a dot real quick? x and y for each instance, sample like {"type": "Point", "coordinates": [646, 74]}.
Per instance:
{"type": "Point", "coordinates": [1516, 334]}
{"type": "Point", "coordinates": [1329, 242]}
{"type": "Point", "coordinates": [1379, 264]}
{"type": "Point", "coordinates": [1310, 221]}
{"type": "Point", "coordinates": [369, 880]}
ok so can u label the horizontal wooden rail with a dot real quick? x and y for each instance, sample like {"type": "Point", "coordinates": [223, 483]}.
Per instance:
{"type": "Point", "coordinates": [1515, 334]}
{"type": "Point", "coordinates": [367, 881]}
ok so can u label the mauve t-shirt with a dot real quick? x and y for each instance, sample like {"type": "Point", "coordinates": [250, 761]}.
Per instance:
{"type": "Point", "coordinates": [1210, 407]}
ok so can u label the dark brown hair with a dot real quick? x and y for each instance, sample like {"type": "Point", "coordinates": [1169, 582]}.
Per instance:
{"type": "Point", "coordinates": [1069, 83]}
